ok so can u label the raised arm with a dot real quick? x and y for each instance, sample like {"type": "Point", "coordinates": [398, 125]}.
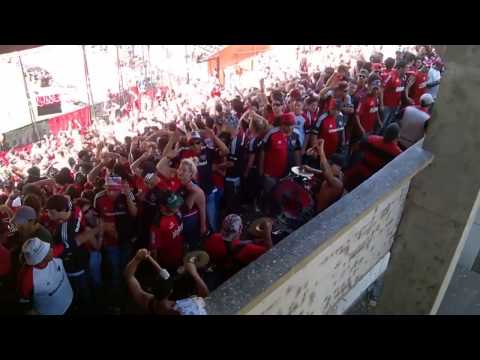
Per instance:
{"type": "Point", "coordinates": [130, 198]}
{"type": "Point", "coordinates": [200, 286]}
{"type": "Point", "coordinates": [136, 164]}
{"type": "Point", "coordinates": [327, 169]}
{"type": "Point", "coordinates": [223, 148]}
{"type": "Point", "coordinates": [92, 175]}
{"type": "Point", "coordinates": [140, 296]}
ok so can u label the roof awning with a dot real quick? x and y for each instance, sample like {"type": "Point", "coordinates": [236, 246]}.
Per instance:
{"type": "Point", "coordinates": [6, 49]}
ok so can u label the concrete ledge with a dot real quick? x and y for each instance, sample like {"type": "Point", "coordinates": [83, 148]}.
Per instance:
{"type": "Point", "coordinates": [260, 278]}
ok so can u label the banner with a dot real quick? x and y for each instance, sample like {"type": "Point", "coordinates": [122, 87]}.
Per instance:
{"type": "Point", "coordinates": [79, 119]}
{"type": "Point", "coordinates": [48, 104]}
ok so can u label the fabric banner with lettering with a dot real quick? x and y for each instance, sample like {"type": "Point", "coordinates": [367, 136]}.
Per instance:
{"type": "Point", "coordinates": [79, 119]}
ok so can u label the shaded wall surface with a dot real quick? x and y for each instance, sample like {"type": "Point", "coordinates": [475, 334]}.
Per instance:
{"type": "Point", "coordinates": [438, 215]}
{"type": "Point", "coordinates": [314, 268]}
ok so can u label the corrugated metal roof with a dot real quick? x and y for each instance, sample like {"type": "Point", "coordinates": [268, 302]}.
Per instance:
{"type": "Point", "coordinates": [5, 49]}
{"type": "Point", "coordinates": [206, 51]}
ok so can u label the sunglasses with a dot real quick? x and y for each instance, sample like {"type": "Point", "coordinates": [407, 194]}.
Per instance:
{"type": "Point", "coordinates": [361, 76]}
{"type": "Point", "coordinates": [196, 143]}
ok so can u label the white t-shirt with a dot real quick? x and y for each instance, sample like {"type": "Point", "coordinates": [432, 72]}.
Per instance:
{"type": "Point", "coordinates": [412, 126]}
{"type": "Point", "coordinates": [433, 75]}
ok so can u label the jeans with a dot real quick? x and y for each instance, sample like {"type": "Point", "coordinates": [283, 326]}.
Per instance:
{"type": "Point", "coordinates": [269, 184]}
{"type": "Point", "coordinates": [388, 116]}
{"type": "Point", "coordinates": [96, 269]}
{"type": "Point", "coordinates": [114, 261]}
{"type": "Point", "coordinates": [82, 294]}
{"type": "Point", "coordinates": [191, 231]}
{"type": "Point", "coordinates": [232, 194]}
{"type": "Point", "coordinates": [213, 210]}
{"type": "Point", "coordinates": [218, 201]}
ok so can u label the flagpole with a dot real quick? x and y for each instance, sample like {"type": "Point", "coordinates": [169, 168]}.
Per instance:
{"type": "Point", "coordinates": [33, 117]}
{"type": "Point", "coordinates": [89, 88]}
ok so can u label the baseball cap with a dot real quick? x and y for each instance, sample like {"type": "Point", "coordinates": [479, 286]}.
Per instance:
{"type": "Point", "coordinates": [426, 99]}
{"type": "Point", "coordinates": [195, 136]}
{"type": "Point", "coordinates": [170, 200]}
{"type": "Point", "coordinates": [113, 182]}
{"type": "Point", "coordinates": [23, 215]}
{"type": "Point", "coordinates": [35, 250]}
{"type": "Point", "coordinates": [363, 72]}
{"type": "Point", "coordinates": [231, 226]}
{"type": "Point", "coordinates": [288, 119]}
{"type": "Point", "coordinates": [232, 121]}
{"type": "Point", "coordinates": [149, 178]}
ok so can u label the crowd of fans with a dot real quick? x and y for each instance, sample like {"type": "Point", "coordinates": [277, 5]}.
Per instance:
{"type": "Point", "coordinates": [160, 202]}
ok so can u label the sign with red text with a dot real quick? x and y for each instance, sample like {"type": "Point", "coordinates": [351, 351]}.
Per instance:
{"type": "Point", "coordinates": [48, 104]}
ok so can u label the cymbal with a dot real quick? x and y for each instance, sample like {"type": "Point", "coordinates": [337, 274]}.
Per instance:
{"type": "Point", "coordinates": [256, 228]}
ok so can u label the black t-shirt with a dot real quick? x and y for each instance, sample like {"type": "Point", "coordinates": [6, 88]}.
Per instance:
{"type": "Point", "coordinates": [75, 258]}
{"type": "Point", "coordinates": [254, 146]}
{"type": "Point", "coordinates": [150, 206]}
{"type": "Point", "coordinates": [236, 155]}
{"type": "Point", "coordinates": [204, 167]}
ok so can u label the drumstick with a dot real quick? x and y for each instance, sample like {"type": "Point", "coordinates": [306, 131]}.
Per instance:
{"type": "Point", "coordinates": [163, 273]}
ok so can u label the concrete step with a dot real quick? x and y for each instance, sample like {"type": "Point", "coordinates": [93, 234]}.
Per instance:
{"type": "Point", "coordinates": [463, 294]}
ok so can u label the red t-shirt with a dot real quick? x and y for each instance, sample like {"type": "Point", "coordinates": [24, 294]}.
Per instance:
{"type": "Point", "coordinates": [167, 239]}
{"type": "Point", "coordinates": [276, 146]}
{"type": "Point", "coordinates": [108, 210]}
{"type": "Point", "coordinates": [419, 87]}
{"type": "Point", "coordinates": [384, 75]}
{"type": "Point", "coordinates": [328, 132]}
{"type": "Point", "coordinates": [217, 250]}
{"type": "Point", "coordinates": [367, 111]}
{"type": "Point", "coordinates": [393, 89]}
{"type": "Point", "coordinates": [172, 184]}
{"type": "Point", "coordinates": [139, 183]}
{"type": "Point", "coordinates": [372, 160]}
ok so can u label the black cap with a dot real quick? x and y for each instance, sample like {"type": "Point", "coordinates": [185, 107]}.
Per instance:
{"type": "Point", "coordinates": [34, 171]}
{"type": "Point", "coordinates": [391, 132]}
{"type": "Point", "coordinates": [400, 64]}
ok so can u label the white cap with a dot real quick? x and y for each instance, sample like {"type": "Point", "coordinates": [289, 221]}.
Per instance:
{"type": "Point", "coordinates": [426, 99]}
{"type": "Point", "coordinates": [17, 202]}
{"type": "Point", "coordinates": [35, 250]}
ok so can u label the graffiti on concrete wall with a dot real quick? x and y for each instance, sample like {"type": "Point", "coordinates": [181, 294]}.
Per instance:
{"type": "Point", "coordinates": [330, 274]}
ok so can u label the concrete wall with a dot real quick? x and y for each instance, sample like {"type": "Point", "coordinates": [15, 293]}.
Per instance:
{"type": "Point", "coordinates": [437, 217]}
{"type": "Point", "coordinates": [313, 270]}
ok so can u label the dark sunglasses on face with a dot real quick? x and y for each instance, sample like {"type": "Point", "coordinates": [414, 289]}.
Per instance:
{"type": "Point", "coordinates": [361, 76]}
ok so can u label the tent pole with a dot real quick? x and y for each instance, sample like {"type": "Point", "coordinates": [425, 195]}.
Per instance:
{"type": "Point", "coordinates": [33, 118]}
{"type": "Point", "coordinates": [89, 88]}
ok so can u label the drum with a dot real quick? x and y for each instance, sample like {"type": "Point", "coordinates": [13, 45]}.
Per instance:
{"type": "Point", "coordinates": [292, 198]}
{"type": "Point", "coordinates": [300, 177]}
